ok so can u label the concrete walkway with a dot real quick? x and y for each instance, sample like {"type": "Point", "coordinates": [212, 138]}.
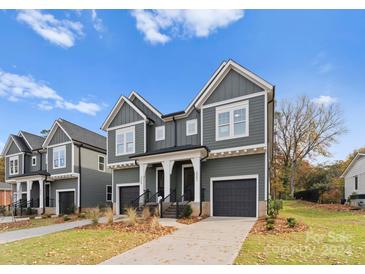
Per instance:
{"type": "Point", "coordinates": [11, 236]}
{"type": "Point", "coordinates": [216, 240]}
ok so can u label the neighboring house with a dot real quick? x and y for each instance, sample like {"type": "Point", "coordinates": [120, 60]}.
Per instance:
{"type": "Point", "coordinates": [354, 177]}
{"type": "Point", "coordinates": [61, 173]}
{"type": "Point", "coordinates": [215, 154]}
{"type": "Point", "coordinates": [5, 194]}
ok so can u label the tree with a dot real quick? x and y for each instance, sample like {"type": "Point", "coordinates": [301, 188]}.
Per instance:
{"type": "Point", "coordinates": [304, 130]}
{"type": "Point", "coordinates": [2, 169]}
{"type": "Point", "coordinates": [45, 132]}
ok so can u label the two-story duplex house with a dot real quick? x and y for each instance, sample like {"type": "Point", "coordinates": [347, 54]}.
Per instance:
{"type": "Point", "coordinates": [215, 154]}
{"type": "Point", "coordinates": [62, 173]}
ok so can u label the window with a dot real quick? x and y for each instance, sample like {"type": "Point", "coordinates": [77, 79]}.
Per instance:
{"type": "Point", "coordinates": [356, 182]}
{"type": "Point", "coordinates": [109, 193]}
{"type": "Point", "coordinates": [59, 157]}
{"type": "Point", "coordinates": [14, 165]}
{"type": "Point", "coordinates": [101, 163]}
{"type": "Point", "coordinates": [34, 160]}
{"type": "Point", "coordinates": [125, 141]}
{"type": "Point", "coordinates": [191, 127]}
{"type": "Point", "coordinates": [47, 161]}
{"type": "Point", "coordinates": [160, 133]}
{"type": "Point", "coordinates": [232, 121]}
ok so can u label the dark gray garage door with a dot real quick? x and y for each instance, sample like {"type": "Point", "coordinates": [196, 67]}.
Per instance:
{"type": "Point", "coordinates": [126, 195]}
{"type": "Point", "coordinates": [67, 202]}
{"type": "Point", "coordinates": [236, 198]}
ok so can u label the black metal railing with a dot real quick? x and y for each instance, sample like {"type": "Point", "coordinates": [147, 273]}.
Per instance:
{"type": "Point", "coordinates": [153, 198]}
{"type": "Point", "coordinates": [188, 193]}
{"type": "Point", "coordinates": [171, 197]}
{"type": "Point", "coordinates": [137, 202]}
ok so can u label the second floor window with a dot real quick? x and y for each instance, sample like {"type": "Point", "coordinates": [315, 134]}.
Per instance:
{"type": "Point", "coordinates": [101, 163]}
{"type": "Point", "coordinates": [34, 161]}
{"type": "Point", "coordinates": [191, 127]}
{"type": "Point", "coordinates": [125, 141]}
{"type": "Point", "coordinates": [356, 182]}
{"type": "Point", "coordinates": [160, 133]}
{"type": "Point", "coordinates": [14, 165]}
{"type": "Point", "coordinates": [232, 121]}
{"type": "Point", "coordinates": [59, 157]}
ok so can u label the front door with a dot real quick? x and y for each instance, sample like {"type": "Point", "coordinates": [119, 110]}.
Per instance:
{"type": "Point", "coordinates": [161, 182]}
{"type": "Point", "coordinates": [188, 184]}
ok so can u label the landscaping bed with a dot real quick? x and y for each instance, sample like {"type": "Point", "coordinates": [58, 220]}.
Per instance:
{"type": "Point", "coordinates": [191, 220]}
{"type": "Point", "coordinates": [281, 226]}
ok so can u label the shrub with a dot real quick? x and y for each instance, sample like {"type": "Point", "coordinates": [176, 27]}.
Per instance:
{"type": "Point", "coordinates": [269, 226]}
{"type": "Point", "coordinates": [109, 216]}
{"type": "Point", "coordinates": [66, 218]}
{"type": "Point", "coordinates": [132, 216]}
{"type": "Point", "coordinates": [291, 222]}
{"type": "Point", "coordinates": [155, 222]}
{"type": "Point", "coordinates": [270, 220]}
{"type": "Point", "coordinates": [146, 214]}
{"type": "Point", "coordinates": [274, 206]}
{"type": "Point", "coordinates": [94, 215]}
{"type": "Point", "coordinates": [187, 211]}
{"type": "Point", "coordinates": [82, 215]}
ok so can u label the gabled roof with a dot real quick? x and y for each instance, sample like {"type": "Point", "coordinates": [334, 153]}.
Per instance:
{"type": "Point", "coordinates": [145, 102]}
{"type": "Point", "coordinates": [34, 141]}
{"type": "Point", "coordinates": [358, 156]}
{"type": "Point", "coordinates": [122, 99]}
{"type": "Point", "coordinates": [18, 141]}
{"type": "Point", "coordinates": [77, 134]}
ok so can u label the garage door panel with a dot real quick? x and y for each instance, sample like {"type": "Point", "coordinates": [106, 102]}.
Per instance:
{"type": "Point", "coordinates": [235, 198]}
{"type": "Point", "coordinates": [126, 195]}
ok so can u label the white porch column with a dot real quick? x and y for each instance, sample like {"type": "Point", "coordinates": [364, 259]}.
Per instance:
{"type": "Point", "coordinates": [196, 165]}
{"type": "Point", "coordinates": [18, 191]}
{"type": "Point", "coordinates": [167, 168]}
{"type": "Point", "coordinates": [41, 192]}
{"type": "Point", "coordinates": [142, 178]}
{"type": "Point", "coordinates": [29, 188]}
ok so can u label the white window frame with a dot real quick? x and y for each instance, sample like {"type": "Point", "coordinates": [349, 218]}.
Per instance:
{"type": "Point", "coordinates": [14, 159]}
{"type": "Point", "coordinates": [193, 122]}
{"type": "Point", "coordinates": [106, 193]}
{"type": "Point", "coordinates": [163, 133]}
{"type": "Point", "coordinates": [101, 156]}
{"type": "Point", "coordinates": [34, 160]}
{"type": "Point", "coordinates": [124, 131]}
{"type": "Point", "coordinates": [55, 150]}
{"type": "Point", "coordinates": [231, 108]}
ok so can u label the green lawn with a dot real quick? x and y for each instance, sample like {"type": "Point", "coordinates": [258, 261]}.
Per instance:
{"type": "Point", "coordinates": [77, 246]}
{"type": "Point", "coordinates": [332, 238]}
{"type": "Point", "coordinates": [29, 224]}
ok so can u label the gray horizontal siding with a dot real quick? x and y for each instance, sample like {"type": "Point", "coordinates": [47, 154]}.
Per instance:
{"type": "Point", "coordinates": [59, 137]}
{"type": "Point", "coordinates": [124, 176]}
{"type": "Point", "coordinates": [234, 166]}
{"type": "Point", "coordinates": [125, 115]}
{"type": "Point", "coordinates": [256, 126]}
{"type": "Point", "coordinates": [68, 167]}
{"type": "Point", "coordinates": [139, 145]}
{"type": "Point", "coordinates": [64, 184]}
{"type": "Point", "coordinates": [233, 85]}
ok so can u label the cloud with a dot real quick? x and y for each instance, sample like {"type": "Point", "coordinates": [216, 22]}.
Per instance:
{"type": "Point", "coordinates": [324, 100]}
{"type": "Point", "coordinates": [62, 33]}
{"type": "Point", "coordinates": [97, 22]}
{"type": "Point", "coordinates": [322, 64]}
{"type": "Point", "coordinates": [160, 26]}
{"type": "Point", "coordinates": [16, 87]}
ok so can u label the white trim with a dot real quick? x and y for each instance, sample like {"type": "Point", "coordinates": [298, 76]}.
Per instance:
{"type": "Point", "coordinates": [162, 138]}
{"type": "Point", "coordinates": [145, 137]}
{"type": "Point", "coordinates": [60, 144]}
{"type": "Point", "coordinates": [78, 190]}
{"type": "Point", "coordinates": [126, 163]}
{"type": "Point", "coordinates": [124, 132]}
{"type": "Point", "coordinates": [194, 122]}
{"type": "Point", "coordinates": [182, 176]}
{"type": "Point", "coordinates": [358, 155]}
{"type": "Point", "coordinates": [106, 193]}
{"type": "Point", "coordinates": [59, 149]}
{"type": "Point", "coordinates": [58, 198]}
{"type": "Point", "coordinates": [52, 132]}
{"type": "Point", "coordinates": [266, 158]}
{"type": "Point", "coordinates": [14, 158]}
{"type": "Point", "coordinates": [126, 125]}
{"type": "Point", "coordinates": [7, 146]}
{"type": "Point", "coordinates": [103, 156]}
{"type": "Point", "coordinates": [34, 163]}
{"type": "Point", "coordinates": [235, 99]}
{"type": "Point", "coordinates": [15, 154]}
{"type": "Point", "coordinates": [116, 108]}
{"type": "Point", "coordinates": [228, 149]}
{"type": "Point", "coordinates": [230, 178]}
{"type": "Point", "coordinates": [154, 110]}
{"type": "Point", "coordinates": [117, 186]}
{"type": "Point", "coordinates": [73, 157]}
{"type": "Point", "coordinates": [157, 170]}
{"type": "Point", "coordinates": [172, 156]}
{"type": "Point", "coordinates": [113, 201]}
{"type": "Point", "coordinates": [230, 109]}
{"type": "Point", "coordinates": [201, 127]}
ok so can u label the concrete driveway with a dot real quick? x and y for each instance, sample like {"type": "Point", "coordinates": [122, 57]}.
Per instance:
{"type": "Point", "coordinates": [216, 240]}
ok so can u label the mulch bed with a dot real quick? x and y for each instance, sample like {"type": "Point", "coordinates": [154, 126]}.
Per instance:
{"type": "Point", "coordinates": [191, 220]}
{"type": "Point", "coordinates": [336, 207]}
{"type": "Point", "coordinates": [280, 227]}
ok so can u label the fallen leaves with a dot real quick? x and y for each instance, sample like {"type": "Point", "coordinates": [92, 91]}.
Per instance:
{"type": "Point", "coordinates": [191, 220]}
{"type": "Point", "coordinates": [280, 227]}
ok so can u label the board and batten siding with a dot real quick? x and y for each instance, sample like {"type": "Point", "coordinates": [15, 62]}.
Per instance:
{"type": "Point", "coordinates": [234, 166]}
{"type": "Point", "coordinates": [68, 168]}
{"type": "Point", "coordinates": [357, 169]}
{"type": "Point", "coordinates": [13, 149]}
{"type": "Point", "coordinates": [125, 115]}
{"type": "Point", "coordinates": [182, 138]}
{"type": "Point", "coordinates": [256, 126]}
{"type": "Point", "coordinates": [59, 137]}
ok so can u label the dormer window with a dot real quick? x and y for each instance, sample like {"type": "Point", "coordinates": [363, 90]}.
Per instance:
{"type": "Point", "coordinates": [160, 133]}
{"type": "Point", "coordinates": [59, 157]}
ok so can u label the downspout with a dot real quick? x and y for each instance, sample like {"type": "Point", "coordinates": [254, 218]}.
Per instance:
{"type": "Point", "coordinates": [272, 140]}
{"type": "Point", "coordinates": [175, 131]}
{"type": "Point", "coordinates": [80, 169]}
{"type": "Point", "coordinates": [201, 184]}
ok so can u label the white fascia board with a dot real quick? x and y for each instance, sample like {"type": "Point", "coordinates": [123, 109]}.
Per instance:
{"type": "Point", "coordinates": [358, 155]}
{"type": "Point", "coordinates": [52, 132]}
{"type": "Point", "coordinates": [139, 97]}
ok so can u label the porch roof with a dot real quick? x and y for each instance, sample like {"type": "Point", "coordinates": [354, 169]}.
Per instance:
{"type": "Point", "coordinates": [170, 150]}
{"type": "Point", "coordinates": [34, 173]}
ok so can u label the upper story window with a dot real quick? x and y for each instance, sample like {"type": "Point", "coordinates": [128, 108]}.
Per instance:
{"type": "Point", "coordinates": [125, 141]}
{"type": "Point", "coordinates": [160, 133]}
{"type": "Point", "coordinates": [356, 182]}
{"type": "Point", "coordinates": [34, 160]}
{"type": "Point", "coordinates": [232, 121]}
{"type": "Point", "coordinates": [47, 161]}
{"type": "Point", "coordinates": [191, 127]}
{"type": "Point", "coordinates": [59, 157]}
{"type": "Point", "coordinates": [101, 163]}
{"type": "Point", "coordinates": [109, 193]}
{"type": "Point", "coordinates": [14, 165]}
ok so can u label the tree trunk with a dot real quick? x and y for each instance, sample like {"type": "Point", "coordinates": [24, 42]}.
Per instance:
{"type": "Point", "coordinates": [292, 179]}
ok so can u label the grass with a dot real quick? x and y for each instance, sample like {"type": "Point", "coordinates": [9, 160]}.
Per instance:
{"type": "Point", "coordinates": [332, 238]}
{"type": "Point", "coordinates": [29, 224]}
{"type": "Point", "coordinates": [77, 246]}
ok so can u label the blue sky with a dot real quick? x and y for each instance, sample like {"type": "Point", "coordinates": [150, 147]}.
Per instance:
{"type": "Point", "coordinates": [76, 64]}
